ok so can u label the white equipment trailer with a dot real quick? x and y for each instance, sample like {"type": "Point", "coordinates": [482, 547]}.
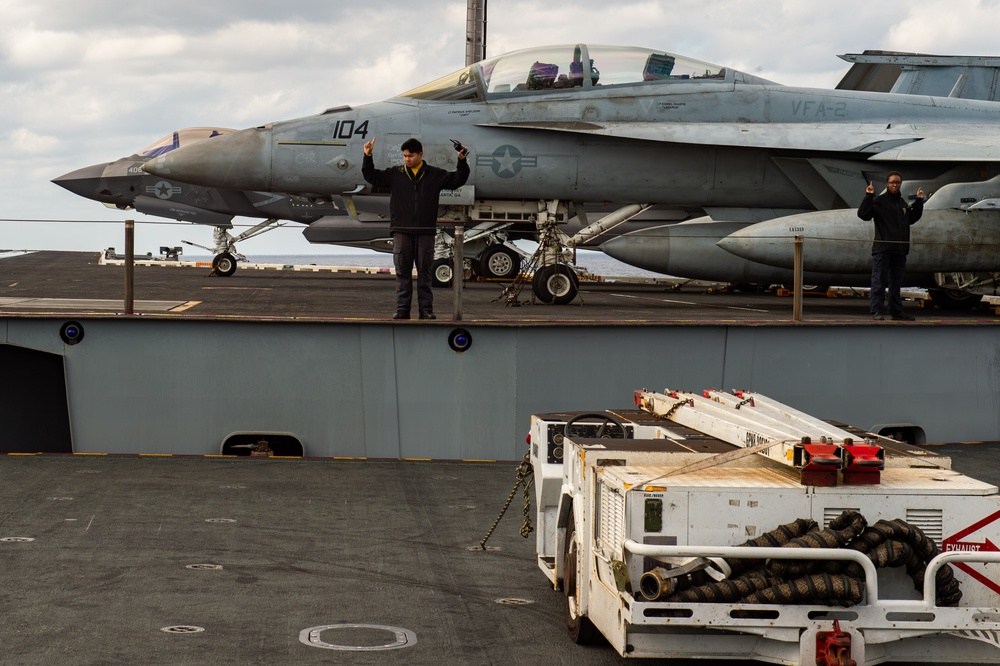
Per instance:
{"type": "Point", "coordinates": [733, 527]}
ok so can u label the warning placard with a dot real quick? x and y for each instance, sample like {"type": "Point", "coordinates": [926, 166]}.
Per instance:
{"type": "Point", "coordinates": [973, 539]}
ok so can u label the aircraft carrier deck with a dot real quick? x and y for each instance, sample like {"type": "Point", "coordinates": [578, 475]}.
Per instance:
{"type": "Point", "coordinates": [153, 557]}
{"type": "Point", "coordinates": [311, 357]}
{"type": "Point", "coordinates": [75, 282]}
{"type": "Point", "coordinates": [191, 560]}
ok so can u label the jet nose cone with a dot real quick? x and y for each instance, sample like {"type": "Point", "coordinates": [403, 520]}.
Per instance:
{"type": "Point", "coordinates": [82, 182]}
{"type": "Point", "coordinates": [237, 161]}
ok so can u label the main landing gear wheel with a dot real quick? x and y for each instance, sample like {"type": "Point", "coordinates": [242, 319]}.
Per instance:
{"type": "Point", "coordinates": [500, 262]}
{"type": "Point", "coordinates": [606, 420]}
{"type": "Point", "coordinates": [581, 629]}
{"type": "Point", "coordinates": [555, 283]}
{"type": "Point", "coordinates": [954, 299]}
{"type": "Point", "coordinates": [442, 272]}
{"type": "Point", "coordinates": [224, 264]}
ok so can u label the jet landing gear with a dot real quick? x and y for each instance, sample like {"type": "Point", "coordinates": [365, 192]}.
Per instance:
{"type": "Point", "coordinates": [499, 262]}
{"type": "Point", "coordinates": [555, 281]}
{"type": "Point", "coordinates": [556, 284]}
{"type": "Point", "coordinates": [226, 257]}
{"type": "Point", "coordinates": [442, 272]}
{"type": "Point", "coordinates": [224, 264]}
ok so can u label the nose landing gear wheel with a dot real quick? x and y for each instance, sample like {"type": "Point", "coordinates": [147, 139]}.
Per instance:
{"type": "Point", "coordinates": [224, 264]}
{"type": "Point", "coordinates": [555, 283]}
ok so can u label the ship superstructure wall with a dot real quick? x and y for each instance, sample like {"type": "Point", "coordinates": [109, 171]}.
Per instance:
{"type": "Point", "coordinates": [400, 391]}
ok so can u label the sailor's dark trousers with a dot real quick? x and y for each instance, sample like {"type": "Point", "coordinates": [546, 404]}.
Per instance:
{"type": "Point", "coordinates": [887, 276]}
{"type": "Point", "coordinates": [409, 249]}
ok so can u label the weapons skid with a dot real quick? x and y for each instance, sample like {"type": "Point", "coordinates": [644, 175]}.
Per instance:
{"type": "Point", "coordinates": [819, 450]}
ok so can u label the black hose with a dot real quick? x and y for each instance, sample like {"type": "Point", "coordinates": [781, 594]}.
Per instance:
{"type": "Point", "coordinates": [888, 543]}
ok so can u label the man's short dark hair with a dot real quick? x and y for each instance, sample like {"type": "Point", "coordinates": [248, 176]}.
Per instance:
{"type": "Point", "coordinates": [413, 146]}
{"type": "Point", "coordinates": [893, 173]}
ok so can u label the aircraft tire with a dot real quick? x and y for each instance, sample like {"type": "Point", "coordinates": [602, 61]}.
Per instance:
{"type": "Point", "coordinates": [581, 630]}
{"type": "Point", "coordinates": [556, 284]}
{"type": "Point", "coordinates": [442, 272]}
{"type": "Point", "coordinates": [499, 262]}
{"type": "Point", "coordinates": [954, 299]}
{"type": "Point", "coordinates": [224, 264]}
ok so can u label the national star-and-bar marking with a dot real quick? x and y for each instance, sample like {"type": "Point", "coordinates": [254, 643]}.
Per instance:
{"type": "Point", "coordinates": [163, 190]}
{"type": "Point", "coordinates": [507, 161]}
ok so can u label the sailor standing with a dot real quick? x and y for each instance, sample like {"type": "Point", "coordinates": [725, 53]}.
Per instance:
{"type": "Point", "coordinates": [414, 190]}
{"type": "Point", "coordinates": [893, 218]}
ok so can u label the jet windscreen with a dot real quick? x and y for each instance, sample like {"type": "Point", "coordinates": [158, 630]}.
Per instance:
{"type": "Point", "coordinates": [180, 138]}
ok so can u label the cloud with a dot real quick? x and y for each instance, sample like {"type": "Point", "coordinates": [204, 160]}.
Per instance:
{"type": "Point", "coordinates": [32, 49]}
{"type": "Point", "coordinates": [88, 82]}
{"type": "Point", "coordinates": [23, 142]}
{"type": "Point", "coordinates": [965, 29]}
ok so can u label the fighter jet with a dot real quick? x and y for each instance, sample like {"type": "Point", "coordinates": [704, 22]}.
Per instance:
{"type": "Point", "coordinates": [626, 125]}
{"type": "Point", "coordinates": [331, 219]}
{"type": "Point", "coordinates": [953, 249]}
{"type": "Point", "coordinates": [122, 184]}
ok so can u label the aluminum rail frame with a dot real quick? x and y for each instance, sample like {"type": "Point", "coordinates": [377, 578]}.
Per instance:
{"type": "Point", "coordinates": [880, 620]}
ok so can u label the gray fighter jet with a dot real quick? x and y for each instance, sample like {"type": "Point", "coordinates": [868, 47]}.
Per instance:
{"type": "Point", "coordinates": [631, 126]}
{"type": "Point", "coordinates": [331, 218]}
{"type": "Point", "coordinates": [954, 248]}
{"type": "Point", "coordinates": [123, 184]}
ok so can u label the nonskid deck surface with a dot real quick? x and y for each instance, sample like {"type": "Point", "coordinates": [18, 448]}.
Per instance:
{"type": "Point", "coordinates": [194, 560]}
{"type": "Point", "coordinates": [242, 556]}
{"type": "Point", "coordinates": [42, 283]}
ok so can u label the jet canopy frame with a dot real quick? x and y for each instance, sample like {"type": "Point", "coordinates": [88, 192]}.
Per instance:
{"type": "Point", "coordinates": [567, 67]}
{"type": "Point", "coordinates": [183, 137]}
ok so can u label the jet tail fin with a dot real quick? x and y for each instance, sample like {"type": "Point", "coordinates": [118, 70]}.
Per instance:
{"type": "Point", "coordinates": [966, 77]}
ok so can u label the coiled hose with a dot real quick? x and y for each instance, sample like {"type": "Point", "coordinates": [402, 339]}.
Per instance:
{"type": "Point", "coordinates": [888, 543]}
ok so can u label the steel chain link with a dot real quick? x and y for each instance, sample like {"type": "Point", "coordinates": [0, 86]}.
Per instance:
{"type": "Point", "coordinates": [525, 477]}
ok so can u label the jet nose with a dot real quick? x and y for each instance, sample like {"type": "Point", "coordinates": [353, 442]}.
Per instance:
{"type": "Point", "coordinates": [82, 182]}
{"type": "Point", "coordinates": [237, 161]}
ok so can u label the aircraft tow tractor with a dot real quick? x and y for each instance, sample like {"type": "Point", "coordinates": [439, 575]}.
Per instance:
{"type": "Point", "coordinates": [731, 526]}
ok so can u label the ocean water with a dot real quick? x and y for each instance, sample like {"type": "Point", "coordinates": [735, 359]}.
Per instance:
{"type": "Point", "coordinates": [595, 262]}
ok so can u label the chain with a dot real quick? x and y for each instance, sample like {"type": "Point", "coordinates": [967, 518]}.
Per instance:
{"type": "Point", "coordinates": [512, 292]}
{"type": "Point", "coordinates": [525, 477]}
{"type": "Point", "coordinates": [676, 406]}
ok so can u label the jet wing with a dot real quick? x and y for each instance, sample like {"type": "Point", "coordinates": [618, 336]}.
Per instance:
{"type": "Point", "coordinates": [973, 147]}
{"type": "Point", "coordinates": [881, 142]}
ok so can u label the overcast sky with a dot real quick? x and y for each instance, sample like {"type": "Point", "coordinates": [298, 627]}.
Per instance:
{"type": "Point", "coordinates": [83, 83]}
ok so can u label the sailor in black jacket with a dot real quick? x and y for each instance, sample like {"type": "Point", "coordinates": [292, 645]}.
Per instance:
{"type": "Point", "coordinates": [893, 217]}
{"type": "Point", "coordinates": [414, 190]}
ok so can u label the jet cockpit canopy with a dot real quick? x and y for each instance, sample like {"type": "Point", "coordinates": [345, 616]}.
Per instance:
{"type": "Point", "coordinates": [180, 138]}
{"type": "Point", "coordinates": [566, 67]}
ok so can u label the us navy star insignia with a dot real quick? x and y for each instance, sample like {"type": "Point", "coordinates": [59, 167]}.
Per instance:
{"type": "Point", "coordinates": [163, 190]}
{"type": "Point", "coordinates": [507, 161]}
